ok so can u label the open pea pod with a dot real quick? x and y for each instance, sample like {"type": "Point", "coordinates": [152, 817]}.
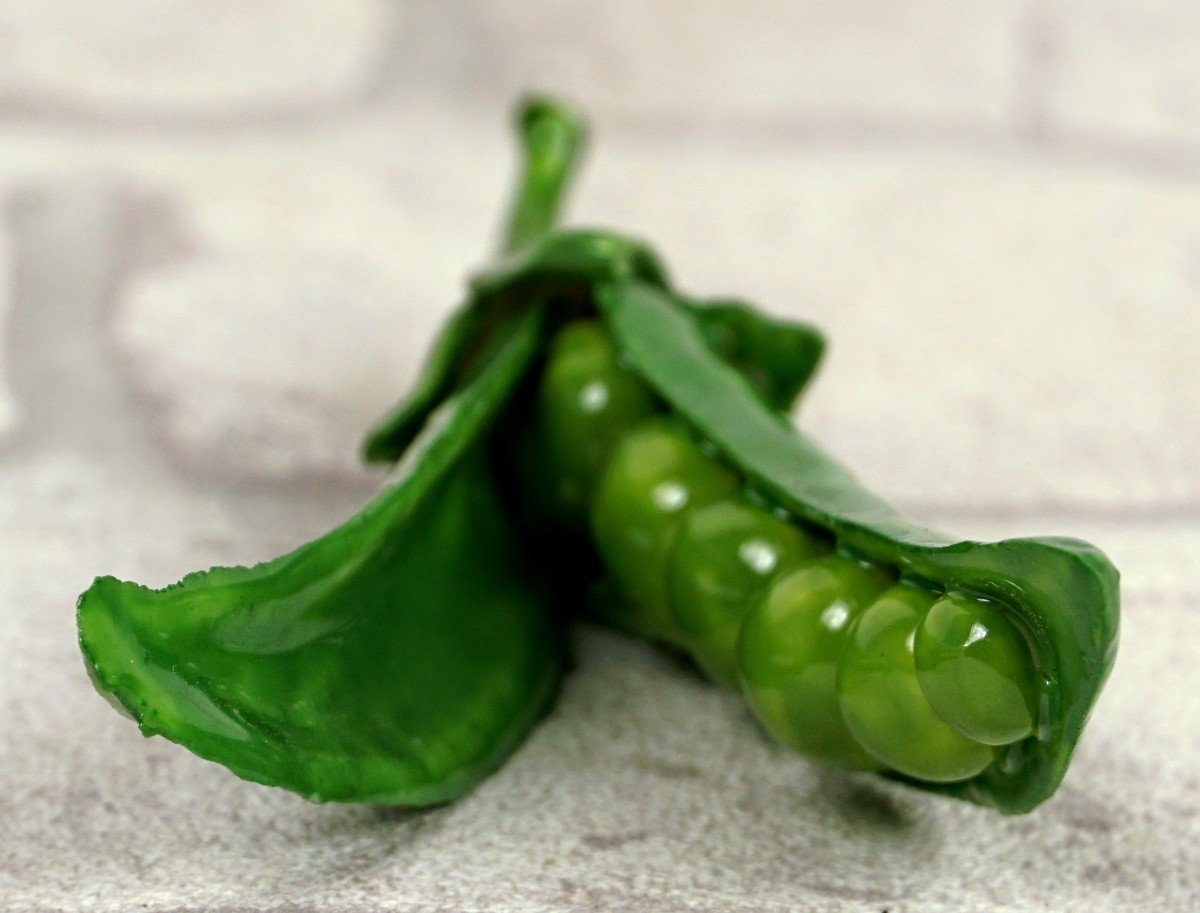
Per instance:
{"type": "Point", "coordinates": [397, 659]}
{"type": "Point", "coordinates": [1061, 593]}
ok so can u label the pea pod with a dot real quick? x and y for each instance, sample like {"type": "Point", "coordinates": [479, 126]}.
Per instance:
{"type": "Point", "coordinates": [402, 656]}
{"type": "Point", "coordinates": [405, 654]}
{"type": "Point", "coordinates": [963, 667]}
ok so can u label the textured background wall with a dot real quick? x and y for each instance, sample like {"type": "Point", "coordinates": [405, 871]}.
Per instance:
{"type": "Point", "coordinates": [228, 230]}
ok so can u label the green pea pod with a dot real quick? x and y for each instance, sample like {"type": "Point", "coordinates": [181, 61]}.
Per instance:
{"type": "Point", "coordinates": [397, 659]}
{"type": "Point", "coordinates": [1064, 592]}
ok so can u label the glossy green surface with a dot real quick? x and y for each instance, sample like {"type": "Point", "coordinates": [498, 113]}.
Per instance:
{"type": "Point", "coordinates": [882, 702]}
{"type": "Point", "coordinates": [777, 357]}
{"type": "Point", "coordinates": [725, 555]}
{"type": "Point", "coordinates": [584, 402]}
{"type": "Point", "coordinates": [789, 652]}
{"type": "Point", "coordinates": [1064, 591]}
{"type": "Point", "coordinates": [976, 670]}
{"type": "Point", "coordinates": [656, 476]}
{"type": "Point", "coordinates": [397, 659]}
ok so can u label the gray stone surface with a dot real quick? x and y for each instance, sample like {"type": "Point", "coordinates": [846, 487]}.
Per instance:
{"type": "Point", "coordinates": [226, 236]}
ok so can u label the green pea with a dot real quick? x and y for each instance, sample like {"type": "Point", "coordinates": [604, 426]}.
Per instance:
{"type": "Point", "coordinates": [788, 656]}
{"type": "Point", "coordinates": [724, 557]}
{"type": "Point", "coordinates": [586, 400]}
{"type": "Point", "coordinates": [883, 704]}
{"type": "Point", "coordinates": [976, 670]}
{"type": "Point", "coordinates": [657, 474]}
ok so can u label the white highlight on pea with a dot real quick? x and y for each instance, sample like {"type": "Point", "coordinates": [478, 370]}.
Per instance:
{"type": "Point", "coordinates": [977, 633]}
{"type": "Point", "coordinates": [758, 555]}
{"type": "Point", "coordinates": [594, 396]}
{"type": "Point", "coordinates": [835, 617]}
{"type": "Point", "coordinates": [670, 496]}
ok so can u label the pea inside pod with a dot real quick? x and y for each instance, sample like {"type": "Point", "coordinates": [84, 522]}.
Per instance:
{"type": "Point", "coordinates": [976, 669]}
{"type": "Point", "coordinates": [882, 701]}
{"type": "Point", "coordinates": [583, 405]}
{"type": "Point", "coordinates": [656, 477]}
{"type": "Point", "coordinates": [821, 644]}
{"type": "Point", "coordinates": [727, 554]}
{"type": "Point", "coordinates": [791, 644]}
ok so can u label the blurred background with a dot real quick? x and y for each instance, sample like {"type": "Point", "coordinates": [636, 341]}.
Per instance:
{"type": "Point", "coordinates": [228, 231]}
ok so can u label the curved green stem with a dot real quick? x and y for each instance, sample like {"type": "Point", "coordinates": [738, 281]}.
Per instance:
{"type": "Point", "coordinates": [552, 137]}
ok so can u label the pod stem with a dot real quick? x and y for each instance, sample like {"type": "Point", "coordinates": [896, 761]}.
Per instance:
{"type": "Point", "coordinates": [553, 136]}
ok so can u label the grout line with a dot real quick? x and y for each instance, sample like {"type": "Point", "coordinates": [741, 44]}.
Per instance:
{"type": "Point", "coordinates": [1178, 160]}
{"type": "Point", "coordinates": [57, 111]}
{"type": "Point", "coordinates": [1032, 136]}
